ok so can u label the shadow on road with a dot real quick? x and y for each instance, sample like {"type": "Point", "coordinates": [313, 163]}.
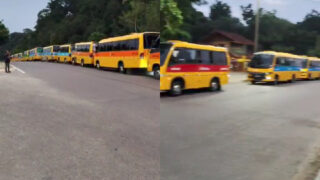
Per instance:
{"type": "Point", "coordinates": [284, 84]}
{"type": "Point", "coordinates": [190, 93]}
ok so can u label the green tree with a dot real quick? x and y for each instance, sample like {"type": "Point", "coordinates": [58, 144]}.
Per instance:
{"type": "Point", "coordinates": [220, 9]}
{"type": "Point", "coordinates": [4, 33]}
{"type": "Point", "coordinates": [171, 20]}
{"type": "Point", "coordinates": [96, 36]}
{"type": "Point", "coordinates": [142, 15]}
{"type": "Point", "coordinates": [248, 14]}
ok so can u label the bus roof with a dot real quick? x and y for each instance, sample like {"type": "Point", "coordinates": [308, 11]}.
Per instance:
{"type": "Point", "coordinates": [278, 54]}
{"type": "Point", "coordinates": [65, 45]}
{"type": "Point", "coordinates": [84, 43]}
{"type": "Point", "coordinates": [125, 37]}
{"type": "Point", "coordinates": [314, 58]}
{"type": "Point", "coordinates": [197, 46]}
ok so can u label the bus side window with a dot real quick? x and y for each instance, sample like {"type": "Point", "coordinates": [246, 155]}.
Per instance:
{"type": "Point", "coordinates": [136, 44]}
{"type": "Point", "coordinates": [175, 57]}
{"type": "Point", "coordinates": [281, 61]}
{"type": "Point", "coordinates": [206, 57]}
{"type": "Point", "coordinates": [219, 58]}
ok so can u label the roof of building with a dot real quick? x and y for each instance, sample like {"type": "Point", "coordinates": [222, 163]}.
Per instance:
{"type": "Point", "coordinates": [235, 38]}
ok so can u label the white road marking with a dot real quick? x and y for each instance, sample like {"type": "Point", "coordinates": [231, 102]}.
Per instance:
{"type": "Point", "coordinates": [18, 69]}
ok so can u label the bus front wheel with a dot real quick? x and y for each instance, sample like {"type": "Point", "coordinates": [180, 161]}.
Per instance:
{"type": "Point", "coordinates": [215, 85]}
{"type": "Point", "coordinates": [293, 80]}
{"type": "Point", "coordinates": [156, 72]}
{"type": "Point", "coordinates": [82, 63]}
{"type": "Point", "coordinates": [276, 80]}
{"type": "Point", "coordinates": [176, 88]}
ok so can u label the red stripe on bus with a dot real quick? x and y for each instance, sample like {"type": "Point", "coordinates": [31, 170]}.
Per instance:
{"type": "Point", "coordinates": [117, 53]}
{"type": "Point", "coordinates": [155, 55]}
{"type": "Point", "coordinates": [82, 53]}
{"type": "Point", "coordinates": [197, 68]}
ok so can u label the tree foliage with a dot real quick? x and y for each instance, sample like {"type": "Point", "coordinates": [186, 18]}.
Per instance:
{"type": "Point", "coordinates": [71, 21]}
{"type": "Point", "coordinates": [4, 33]}
{"type": "Point", "coordinates": [275, 33]}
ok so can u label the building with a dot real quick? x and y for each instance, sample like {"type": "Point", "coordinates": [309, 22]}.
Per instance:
{"type": "Point", "coordinates": [239, 47]}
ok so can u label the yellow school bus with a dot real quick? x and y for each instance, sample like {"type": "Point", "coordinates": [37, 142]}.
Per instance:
{"type": "Point", "coordinates": [19, 57]}
{"type": "Point", "coordinates": [154, 62]}
{"type": "Point", "coordinates": [275, 67]}
{"type": "Point", "coordinates": [14, 57]}
{"type": "Point", "coordinates": [50, 53]}
{"type": "Point", "coordinates": [125, 52]}
{"type": "Point", "coordinates": [35, 54]}
{"type": "Point", "coordinates": [304, 68]}
{"type": "Point", "coordinates": [313, 68]}
{"type": "Point", "coordinates": [64, 54]}
{"type": "Point", "coordinates": [83, 53]}
{"type": "Point", "coordinates": [192, 66]}
{"type": "Point", "coordinates": [25, 56]}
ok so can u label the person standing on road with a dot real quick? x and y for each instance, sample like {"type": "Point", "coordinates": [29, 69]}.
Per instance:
{"type": "Point", "coordinates": [7, 61]}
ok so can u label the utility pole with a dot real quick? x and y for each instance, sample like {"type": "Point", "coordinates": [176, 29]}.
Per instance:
{"type": "Point", "coordinates": [256, 34]}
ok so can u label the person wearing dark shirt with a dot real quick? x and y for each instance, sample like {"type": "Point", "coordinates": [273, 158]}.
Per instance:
{"type": "Point", "coordinates": [7, 62]}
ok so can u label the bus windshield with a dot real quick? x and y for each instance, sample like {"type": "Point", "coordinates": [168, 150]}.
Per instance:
{"type": "Point", "coordinates": [261, 61]}
{"type": "Point", "coordinates": [164, 50]}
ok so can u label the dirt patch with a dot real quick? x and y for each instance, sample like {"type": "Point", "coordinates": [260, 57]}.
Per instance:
{"type": "Point", "coordinates": [310, 168]}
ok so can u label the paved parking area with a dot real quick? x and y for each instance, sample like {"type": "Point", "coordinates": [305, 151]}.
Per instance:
{"type": "Point", "coordinates": [61, 121]}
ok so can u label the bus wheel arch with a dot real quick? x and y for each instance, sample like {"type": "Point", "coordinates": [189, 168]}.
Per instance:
{"type": "Point", "coordinates": [215, 84]}
{"type": "Point", "coordinates": [177, 86]}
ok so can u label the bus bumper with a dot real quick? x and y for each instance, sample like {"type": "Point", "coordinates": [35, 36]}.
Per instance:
{"type": "Point", "coordinates": [261, 77]}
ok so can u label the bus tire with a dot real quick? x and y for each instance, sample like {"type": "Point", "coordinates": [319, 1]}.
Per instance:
{"type": "Point", "coordinates": [156, 71]}
{"type": "Point", "coordinates": [73, 61]}
{"type": "Point", "coordinates": [176, 87]}
{"type": "Point", "coordinates": [253, 82]}
{"type": "Point", "coordinates": [215, 85]}
{"type": "Point", "coordinates": [121, 68]}
{"type": "Point", "coordinates": [82, 63]}
{"type": "Point", "coordinates": [293, 80]}
{"type": "Point", "coordinates": [98, 65]}
{"type": "Point", "coordinates": [276, 80]}
{"type": "Point", "coordinates": [65, 60]}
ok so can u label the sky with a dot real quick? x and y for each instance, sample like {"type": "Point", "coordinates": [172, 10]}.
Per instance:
{"type": "Point", "coordinates": [292, 10]}
{"type": "Point", "coordinates": [20, 14]}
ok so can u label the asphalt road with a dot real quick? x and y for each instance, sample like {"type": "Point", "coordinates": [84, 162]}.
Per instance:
{"type": "Point", "coordinates": [246, 132]}
{"type": "Point", "coordinates": [62, 122]}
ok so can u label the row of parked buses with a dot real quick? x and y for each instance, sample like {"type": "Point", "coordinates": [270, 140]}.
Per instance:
{"type": "Point", "coordinates": [275, 67]}
{"type": "Point", "coordinates": [192, 66]}
{"type": "Point", "coordinates": [134, 51]}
